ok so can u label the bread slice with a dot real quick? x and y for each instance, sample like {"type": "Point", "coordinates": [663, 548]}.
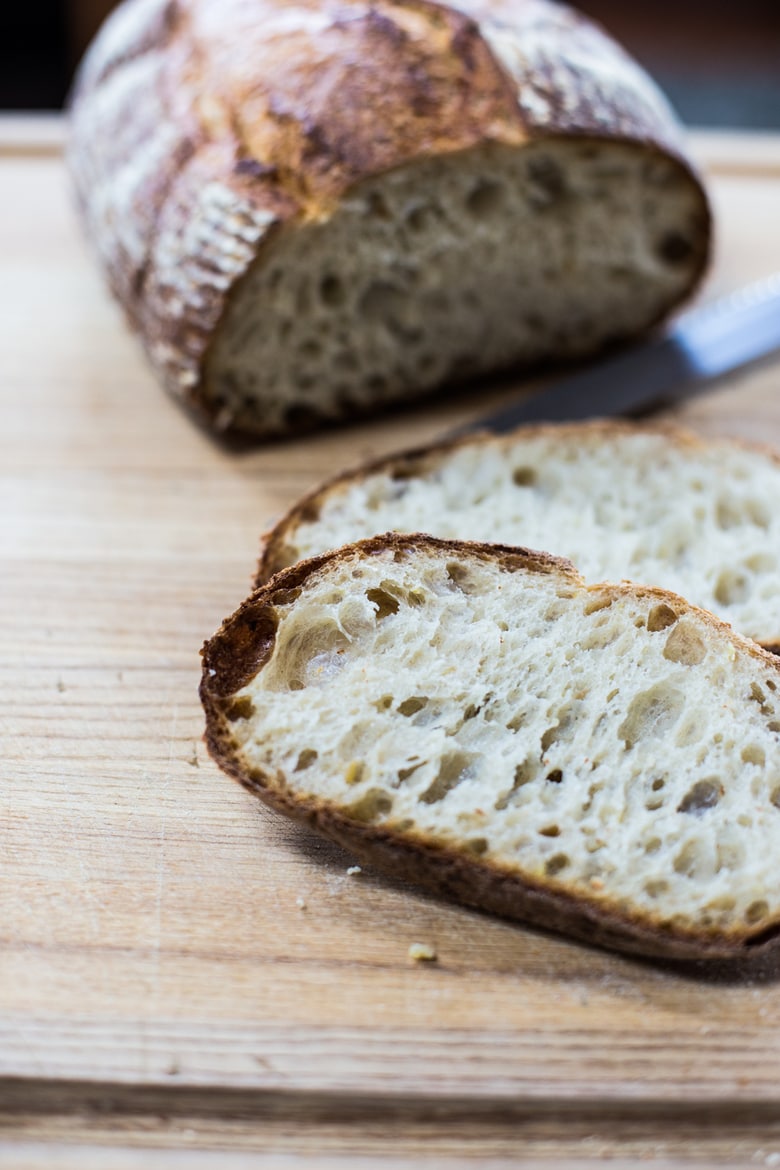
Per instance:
{"type": "Point", "coordinates": [601, 760]}
{"type": "Point", "coordinates": [310, 210]}
{"type": "Point", "coordinates": [657, 506]}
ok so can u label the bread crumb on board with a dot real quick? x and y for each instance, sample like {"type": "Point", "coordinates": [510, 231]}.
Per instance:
{"type": "Point", "coordinates": [422, 953]}
{"type": "Point", "coordinates": [300, 903]}
{"type": "Point", "coordinates": [353, 870]}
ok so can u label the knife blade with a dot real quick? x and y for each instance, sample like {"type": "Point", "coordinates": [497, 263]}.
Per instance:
{"type": "Point", "coordinates": [705, 344]}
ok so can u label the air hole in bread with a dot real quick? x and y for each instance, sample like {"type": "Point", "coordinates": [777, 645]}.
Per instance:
{"type": "Point", "coordinates": [656, 887]}
{"type": "Point", "coordinates": [756, 911]}
{"type": "Point", "coordinates": [651, 713]}
{"type": "Point", "coordinates": [547, 182]}
{"type": "Point", "coordinates": [555, 611]}
{"type": "Point", "coordinates": [414, 597]}
{"type": "Point", "coordinates": [556, 863]}
{"type": "Point", "coordinates": [692, 729]}
{"type": "Point", "coordinates": [674, 248]}
{"type": "Point", "coordinates": [455, 767]}
{"type": "Point", "coordinates": [461, 577]}
{"type": "Point", "coordinates": [687, 860]}
{"type": "Point", "coordinates": [550, 831]}
{"type": "Point", "coordinates": [759, 513]}
{"type": "Point", "coordinates": [478, 845]}
{"type": "Point", "coordinates": [761, 563]}
{"type": "Point", "coordinates": [285, 596]}
{"type": "Point", "coordinates": [332, 291]}
{"type": "Point", "coordinates": [382, 301]}
{"type": "Point", "coordinates": [524, 774]}
{"type": "Point", "coordinates": [313, 656]}
{"type": "Point", "coordinates": [377, 206]}
{"type": "Point", "coordinates": [660, 618]}
{"type": "Point", "coordinates": [372, 805]}
{"type": "Point", "coordinates": [561, 731]}
{"type": "Point", "coordinates": [685, 645]}
{"type": "Point", "coordinates": [355, 617]}
{"type": "Point", "coordinates": [771, 684]}
{"type": "Point", "coordinates": [775, 797]}
{"type": "Point", "coordinates": [596, 604]}
{"type": "Point", "coordinates": [422, 216]}
{"type": "Point", "coordinates": [731, 855]}
{"type": "Point", "coordinates": [556, 776]}
{"type": "Point", "coordinates": [345, 362]}
{"type": "Point", "coordinates": [305, 759]}
{"type": "Point", "coordinates": [524, 476]}
{"type": "Point", "coordinates": [405, 773]}
{"type": "Point", "coordinates": [758, 696]}
{"type": "Point", "coordinates": [752, 754]}
{"type": "Point", "coordinates": [311, 348]}
{"type": "Point", "coordinates": [385, 603]}
{"type": "Point", "coordinates": [486, 198]}
{"type": "Point", "coordinates": [731, 588]}
{"type": "Point", "coordinates": [603, 632]}
{"type": "Point", "coordinates": [242, 708]}
{"type": "Point", "coordinates": [653, 845]}
{"type": "Point", "coordinates": [355, 771]}
{"type": "Point", "coordinates": [412, 705]}
{"type": "Point", "coordinates": [704, 795]}
{"type": "Point", "coordinates": [549, 737]}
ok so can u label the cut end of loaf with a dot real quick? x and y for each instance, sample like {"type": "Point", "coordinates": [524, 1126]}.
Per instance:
{"type": "Point", "coordinates": [451, 267]}
{"type": "Point", "coordinates": [603, 761]}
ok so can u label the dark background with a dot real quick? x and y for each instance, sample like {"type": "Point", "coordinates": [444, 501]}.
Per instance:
{"type": "Point", "coordinates": [718, 62]}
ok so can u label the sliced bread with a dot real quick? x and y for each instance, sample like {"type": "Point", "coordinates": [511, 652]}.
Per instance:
{"type": "Point", "coordinates": [621, 501]}
{"type": "Point", "coordinates": [603, 760]}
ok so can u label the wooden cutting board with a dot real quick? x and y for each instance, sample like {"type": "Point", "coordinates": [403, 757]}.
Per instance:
{"type": "Point", "coordinates": [179, 970]}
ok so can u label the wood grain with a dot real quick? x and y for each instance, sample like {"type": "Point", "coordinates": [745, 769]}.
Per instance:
{"type": "Point", "coordinates": [162, 994]}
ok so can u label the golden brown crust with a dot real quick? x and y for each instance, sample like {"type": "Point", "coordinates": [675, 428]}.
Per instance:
{"type": "Point", "coordinates": [199, 127]}
{"type": "Point", "coordinates": [244, 643]}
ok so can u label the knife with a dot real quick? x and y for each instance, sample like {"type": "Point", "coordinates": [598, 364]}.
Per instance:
{"type": "Point", "coordinates": [705, 344]}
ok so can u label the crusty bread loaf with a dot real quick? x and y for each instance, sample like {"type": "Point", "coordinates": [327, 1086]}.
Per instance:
{"type": "Point", "coordinates": [600, 760]}
{"type": "Point", "coordinates": [654, 505]}
{"type": "Point", "coordinates": [313, 208]}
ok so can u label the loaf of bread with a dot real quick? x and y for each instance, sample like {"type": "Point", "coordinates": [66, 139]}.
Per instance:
{"type": "Point", "coordinates": [654, 505]}
{"type": "Point", "coordinates": [601, 760]}
{"type": "Point", "coordinates": [314, 208]}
